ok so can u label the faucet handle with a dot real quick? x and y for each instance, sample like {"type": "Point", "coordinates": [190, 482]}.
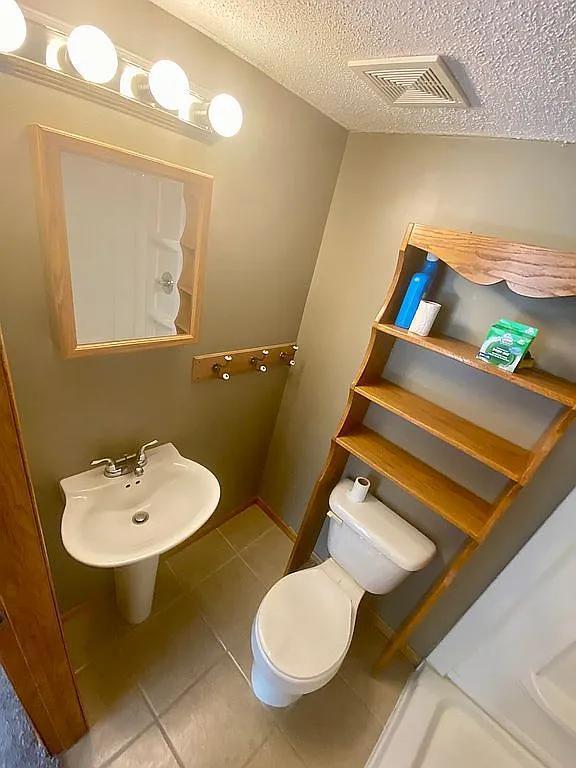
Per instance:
{"type": "Point", "coordinates": [142, 459]}
{"type": "Point", "coordinates": [110, 470]}
{"type": "Point", "coordinates": [109, 463]}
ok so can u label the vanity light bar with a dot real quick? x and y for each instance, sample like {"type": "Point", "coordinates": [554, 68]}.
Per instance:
{"type": "Point", "coordinates": [85, 62]}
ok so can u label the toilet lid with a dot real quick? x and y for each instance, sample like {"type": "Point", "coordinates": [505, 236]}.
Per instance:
{"type": "Point", "coordinates": [305, 623]}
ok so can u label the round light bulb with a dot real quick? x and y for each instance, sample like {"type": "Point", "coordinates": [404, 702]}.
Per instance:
{"type": "Point", "coordinates": [129, 76]}
{"type": "Point", "coordinates": [12, 26]}
{"type": "Point", "coordinates": [168, 84]}
{"type": "Point", "coordinates": [225, 115]}
{"type": "Point", "coordinates": [92, 54]}
{"type": "Point", "coordinates": [54, 50]}
{"type": "Point", "coordinates": [187, 107]}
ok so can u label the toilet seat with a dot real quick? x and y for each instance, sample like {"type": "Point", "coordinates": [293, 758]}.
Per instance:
{"type": "Point", "coordinates": [304, 625]}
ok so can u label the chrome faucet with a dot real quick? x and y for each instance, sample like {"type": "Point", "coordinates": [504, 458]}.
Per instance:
{"type": "Point", "coordinates": [133, 462]}
{"type": "Point", "coordinates": [142, 459]}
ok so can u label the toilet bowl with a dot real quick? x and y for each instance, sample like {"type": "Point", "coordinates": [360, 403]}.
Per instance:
{"type": "Point", "coordinates": [304, 625]}
{"type": "Point", "coordinates": [302, 632]}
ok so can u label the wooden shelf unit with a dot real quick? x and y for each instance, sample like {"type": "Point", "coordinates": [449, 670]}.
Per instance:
{"type": "Point", "coordinates": [453, 502]}
{"type": "Point", "coordinates": [533, 379]}
{"type": "Point", "coordinates": [529, 271]}
{"type": "Point", "coordinates": [490, 449]}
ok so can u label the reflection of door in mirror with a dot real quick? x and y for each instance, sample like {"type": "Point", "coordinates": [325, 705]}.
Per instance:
{"type": "Point", "coordinates": [124, 229]}
{"type": "Point", "coordinates": [124, 238]}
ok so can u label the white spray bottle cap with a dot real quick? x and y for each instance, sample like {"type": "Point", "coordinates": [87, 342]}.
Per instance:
{"type": "Point", "coordinates": [431, 257]}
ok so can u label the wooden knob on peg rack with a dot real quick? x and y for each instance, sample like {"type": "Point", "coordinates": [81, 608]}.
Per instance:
{"type": "Point", "coordinates": [288, 358]}
{"type": "Point", "coordinates": [257, 362]}
{"type": "Point", "coordinates": [219, 368]}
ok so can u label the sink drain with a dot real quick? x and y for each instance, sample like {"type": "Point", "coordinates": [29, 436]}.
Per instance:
{"type": "Point", "coordinates": [140, 517]}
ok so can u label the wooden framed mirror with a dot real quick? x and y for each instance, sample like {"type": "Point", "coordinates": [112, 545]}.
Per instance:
{"type": "Point", "coordinates": [124, 237]}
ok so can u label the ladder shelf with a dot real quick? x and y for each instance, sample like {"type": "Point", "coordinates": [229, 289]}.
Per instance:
{"type": "Point", "coordinates": [453, 502]}
{"type": "Point", "coordinates": [536, 272]}
{"type": "Point", "coordinates": [534, 379]}
{"type": "Point", "coordinates": [490, 449]}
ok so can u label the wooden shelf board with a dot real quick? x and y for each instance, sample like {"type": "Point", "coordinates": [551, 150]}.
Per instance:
{"type": "Point", "coordinates": [453, 502]}
{"type": "Point", "coordinates": [533, 379]}
{"type": "Point", "coordinates": [494, 451]}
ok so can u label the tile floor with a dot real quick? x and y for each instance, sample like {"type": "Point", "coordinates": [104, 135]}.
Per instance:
{"type": "Point", "coordinates": [173, 692]}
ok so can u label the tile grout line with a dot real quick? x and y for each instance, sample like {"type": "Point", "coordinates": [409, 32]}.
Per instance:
{"type": "Point", "coordinates": [187, 588]}
{"type": "Point", "coordinates": [249, 544]}
{"type": "Point", "coordinates": [231, 655]}
{"type": "Point", "coordinates": [279, 725]}
{"type": "Point", "coordinates": [254, 753]}
{"type": "Point", "coordinates": [160, 725]}
{"type": "Point", "coordinates": [273, 723]}
{"type": "Point", "coordinates": [123, 748]}
{"type": "Point", "coordinates": [359, 698]}
{"type": "Point", "coordinates": [247, 564]}
{"type": "Point", "coordinates": [234, 548]}
{"type": "Point", "coordinates": [157, 716]}
{"type": "Point", "coordinates": [252, 571]}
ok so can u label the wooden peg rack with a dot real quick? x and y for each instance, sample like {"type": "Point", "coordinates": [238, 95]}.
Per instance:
{"type": "Point", "coordinates": [213, 365]}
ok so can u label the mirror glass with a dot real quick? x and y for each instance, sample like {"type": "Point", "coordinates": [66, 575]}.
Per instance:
{"type": "Point", "coordinates": [123, 229]}
{"type": "Point", "coordinates": [124, 237]}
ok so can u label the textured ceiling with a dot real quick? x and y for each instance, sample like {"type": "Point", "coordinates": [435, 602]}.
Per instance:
{"type": "Point", "coordinates": [516, 59]}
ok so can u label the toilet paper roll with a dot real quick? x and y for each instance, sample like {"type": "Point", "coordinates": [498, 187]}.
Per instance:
{"type": "Point", "coordinates": [424, 318]}
{"type": "Point", "coordinates": [359, 490]}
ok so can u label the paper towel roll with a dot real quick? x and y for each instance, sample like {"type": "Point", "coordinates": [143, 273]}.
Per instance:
{"type": "Point", "coordinates": [359, 490]}
{"type": "Point", "coordinates": [424, 318]}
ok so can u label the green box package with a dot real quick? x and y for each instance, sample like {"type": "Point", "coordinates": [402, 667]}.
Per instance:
{"type": "Point", "coordinates": [506, 344]}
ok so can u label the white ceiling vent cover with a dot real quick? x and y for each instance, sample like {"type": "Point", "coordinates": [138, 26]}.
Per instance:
{"type": "Point", "coordinates": [412, 81]}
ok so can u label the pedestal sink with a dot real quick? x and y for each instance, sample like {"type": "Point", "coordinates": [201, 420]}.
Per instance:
{"type": "Point", "coordinates": [127, 522]}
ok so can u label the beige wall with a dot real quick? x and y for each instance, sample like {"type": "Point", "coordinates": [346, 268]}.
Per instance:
{"type": "Point", "coordinates": [511, 189]}
{"type": "Point", "coordinates": [273, 185]}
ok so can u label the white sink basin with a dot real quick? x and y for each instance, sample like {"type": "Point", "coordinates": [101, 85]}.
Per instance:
{"type": "Point", "coordinates": [175, 495]}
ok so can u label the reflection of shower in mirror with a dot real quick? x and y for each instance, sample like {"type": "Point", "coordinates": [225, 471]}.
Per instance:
{"type": "Point", "coordinates": [124, 228]}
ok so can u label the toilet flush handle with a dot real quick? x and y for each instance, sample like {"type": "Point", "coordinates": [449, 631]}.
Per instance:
{"type": "Point", "coordinates": [335, 517]}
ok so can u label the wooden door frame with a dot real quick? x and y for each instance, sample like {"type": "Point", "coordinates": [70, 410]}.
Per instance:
{"type": "Point", "coordinates": [32, 648]}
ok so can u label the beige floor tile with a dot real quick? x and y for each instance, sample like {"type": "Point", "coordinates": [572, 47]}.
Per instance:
{"type": "Point", "coordinates": [167, 588]}
{"type": "Point", "coordinates": [331, 728]}
{"type": "Point", "coordinates": [276, 752]}
{"type": "Point", "coordinates": [148, 751]}
{"type": "Point", "coordinates": [171, 650]}
{"type": "Point", "coordinates": [99, 623]}
{"type": "Point", "coordinates": [200, 559]}
{"type": "Point", "coordinates": [115, 709]}
{"type": "Point", "coordinates": [244, 528]}
{"type": "Point", "coordinates": [92, 628]}
{"type": "Point", "coordinates": [229, 600]}
{"type": "Point", "coordinates": [268, 555]}
{"type": "Point", "coordinates": [378, 691]}
{"type": "Point", "coordinates": [217, 723]}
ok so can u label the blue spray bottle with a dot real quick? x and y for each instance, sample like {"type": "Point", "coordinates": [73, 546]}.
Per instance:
{"type": "Point", "coordinates": [416, 291]}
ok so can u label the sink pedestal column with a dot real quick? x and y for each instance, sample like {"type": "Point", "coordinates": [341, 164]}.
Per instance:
{"type": "Point", "coordinates": [135, 589]}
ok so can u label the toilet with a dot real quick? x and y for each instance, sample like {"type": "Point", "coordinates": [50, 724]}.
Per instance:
{"type": "Point", "coordinates": [304, 625]}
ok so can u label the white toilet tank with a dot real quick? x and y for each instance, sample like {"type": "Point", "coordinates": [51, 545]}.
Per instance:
{"type": "Point", "coordinates": [372, 543]}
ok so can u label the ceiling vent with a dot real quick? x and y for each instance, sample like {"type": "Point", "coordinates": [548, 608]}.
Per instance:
{"type": "Point", "coordinates": [412, 81]}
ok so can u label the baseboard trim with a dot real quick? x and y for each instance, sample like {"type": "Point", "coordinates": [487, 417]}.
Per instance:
{"type": "Point", "coordinates": [284, 527]}
{"type": "Point", "coordinates": [407, 651]}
